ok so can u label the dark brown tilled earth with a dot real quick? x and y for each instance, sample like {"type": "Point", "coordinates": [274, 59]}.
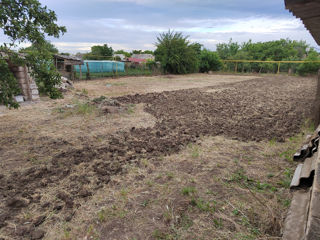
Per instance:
{"type": "Point", "coordinates": [256, 110]}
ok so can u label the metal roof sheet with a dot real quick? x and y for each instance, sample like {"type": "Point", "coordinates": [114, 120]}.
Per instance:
{"type": "Point", "coordinates": [309, 12]}
{"type": "Point", "coordinates": [303, 176]}
{"type": "Point", "coordinates": [73, 58]}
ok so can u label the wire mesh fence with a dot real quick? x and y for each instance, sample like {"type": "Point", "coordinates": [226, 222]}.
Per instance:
{"type": "Point", "coordinates": [105, 69]}
{"type": "Point", "coordinates": [272, 67]}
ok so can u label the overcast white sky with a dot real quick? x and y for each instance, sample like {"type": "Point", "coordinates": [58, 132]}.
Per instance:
{"type": "Point", "coordinates": [135, 24]}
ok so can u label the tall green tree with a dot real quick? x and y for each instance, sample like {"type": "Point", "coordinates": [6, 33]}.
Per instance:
{"type": "Point", "coordinates": [176, 54]}
{"type": "Point", "coordinates": [148, 52]}
{"type": "Point", "coordinates": [47, 45]}
{"type": "Point", "coordinates": [279, 50]}
{"type": "Point", "coordinates": [127, 54]}
{"type": "Point", "coordinates": [136, 52]}
{"type": "Point", "coordinates": [209, 61]}
{"type": "Point", "coordinates": [99, 52]}
{"type": "Point", "coordinates": [227, 50]}
{"type": "Point", "coordinates": [310, 68]}
{"type": "Point", "coordinates": [24, 21]}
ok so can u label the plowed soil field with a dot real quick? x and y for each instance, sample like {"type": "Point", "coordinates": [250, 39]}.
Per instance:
{"type": "Point", "coordinates": [60, 159]}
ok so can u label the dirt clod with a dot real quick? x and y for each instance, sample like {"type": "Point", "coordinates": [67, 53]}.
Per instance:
{"type": "Point", "coordinates": [39, 220]}
{"type": "Point", "coordinates": [37, 234]}
{"type": "Point", "coordinates": [17, 203]}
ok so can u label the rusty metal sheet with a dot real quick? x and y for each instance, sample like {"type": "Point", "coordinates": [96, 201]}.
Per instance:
{"type": "Point", "coordinates": [303, 219]}
{"type": "Point", "coordinates": [302, 154]}
{"type": "Point", "coordinates": [309, 148]}
{"type": "Point", "coordinates": [303, 176]}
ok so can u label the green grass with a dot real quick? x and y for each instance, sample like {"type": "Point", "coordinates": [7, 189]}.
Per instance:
{"type": "Point", "coordinates": [188, 191]}
{"type": "Point", "coordinates": [84, 92]}
{"type": "Point", "coordinates": [84, 109]}
{"type": "Point", "coordinates": [203, 205]}
{"type": "Point", "coordinates": [273, 142]}
{"type": "Point", "coordinates": [186, 222]}
{"type": "Point", "coordinates": [109, 213]}
{"type": "Point", "coordinates": [145, 203]}
{"type": "Point", "coordinates": [218, 223]}
{"type": "Point", "coordinates": [195, 150]}
{"type": "Point", "coordinates": [170, 175]}
{"type": "Point", "coordinates": [102, 215]}
{"type": "Point", "coordinates": [240, 177]}
{"type": "Point", "coordinates": [286, 179]}
{"type": "Point", "coordinates": [288, 154]}
{"type": "Point", "coordinates": [159, 235]}
{"type": "Point", "coordinates": [131, 108]}
{"type": "Point", "coordinates": [77, 108]}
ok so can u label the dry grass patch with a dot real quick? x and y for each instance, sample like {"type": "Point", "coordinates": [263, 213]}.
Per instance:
{"type": "Point", "coordinates": [215, 189]}
{"type": "Point", "coordinates": [133, 85]}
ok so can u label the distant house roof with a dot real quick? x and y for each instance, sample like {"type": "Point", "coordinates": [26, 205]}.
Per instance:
{"type": "Point", "coordinates": [71, 59]}
{"type": "Point", "coordinates": [309, 12]}
{"type": "Point", "coordinates": [143, 56]}
{"type": "Point", "coordinates": [136, 60]}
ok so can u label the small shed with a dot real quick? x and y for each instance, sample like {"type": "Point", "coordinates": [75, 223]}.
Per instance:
{"type": "Point", "coordinates": [65, 65]}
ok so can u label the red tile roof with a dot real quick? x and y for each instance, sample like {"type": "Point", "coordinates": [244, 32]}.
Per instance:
{"type": "Point", "coordinates": [136, 60]}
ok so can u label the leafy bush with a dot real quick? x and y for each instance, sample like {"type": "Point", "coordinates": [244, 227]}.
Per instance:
{"type": "Point", "coordinates": [176, 54]}
{"type": "Point", "coordinates": [123, 52]}
{"type": "Point", "coordinates": [310, 68]}
{"type": "Point", "coordinates": [267, 67]}
{"type": "Point", "coordinates": [8, 86]}
{"type": "Point", "coordinates": [40, 59]}
{"type": "Point", "coordinates": [279, 50]}
{"type": "Point", "coordinates": [117, 58]}
{"type": "Point", "coordinates": [209, 61]}
{"type": "Point", "coordinates": [151, 65]}
{"type": "Point", "coordinates": [228, 50]}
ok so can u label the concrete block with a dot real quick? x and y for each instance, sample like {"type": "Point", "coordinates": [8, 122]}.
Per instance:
{"type": "Point", "coordinates": [35, 92]}
{"type": "Point", "coordinates": [35, 97]}
{"type": "Point", "coordinates": [17, 69]}
{"type": "Point", "coordinates": [19, 98]}
{"type": "Point", "coordinates": [24, 86]}
{"type": "Point", "coordinates": [33, 86]}
{"type": "Point", "coordinates": [20, 75]}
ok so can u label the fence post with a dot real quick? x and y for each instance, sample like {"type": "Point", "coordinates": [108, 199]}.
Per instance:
{"type": "Point", "coordinates": [80, 73]}
{"type": "Point", "coordinates": [236, 67]}
{"type": "Point", "coordinates": [279, 67]}
{"type": "Point", "coordinates": [88, 72]}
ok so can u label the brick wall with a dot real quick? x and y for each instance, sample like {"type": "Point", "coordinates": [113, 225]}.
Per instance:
{"type": "Point", "coordinates": [27, 84]}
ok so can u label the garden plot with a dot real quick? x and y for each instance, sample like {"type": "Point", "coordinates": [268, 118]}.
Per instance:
{"type": "Point", "coordinates": [174, 159]}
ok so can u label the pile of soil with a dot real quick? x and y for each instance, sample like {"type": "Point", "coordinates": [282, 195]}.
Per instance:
{"type": "Point", "coordinates": [256, 110]}
{"type": "Point", "coordinates": [108, 105]}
